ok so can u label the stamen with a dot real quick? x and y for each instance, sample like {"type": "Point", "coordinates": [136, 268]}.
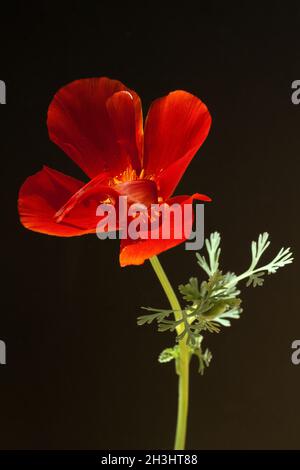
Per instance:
{"type": "Point", "coordinates": [128, 175]}
{"type": "Point", "coordinates": [107, 201]}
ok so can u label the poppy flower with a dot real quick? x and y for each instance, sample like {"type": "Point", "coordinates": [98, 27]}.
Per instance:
{"type": "Point", "coordinates": [98, 123]}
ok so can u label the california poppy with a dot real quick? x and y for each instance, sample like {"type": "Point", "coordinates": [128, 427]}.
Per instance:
{"type": "Point", "coordinates": [98, 123]}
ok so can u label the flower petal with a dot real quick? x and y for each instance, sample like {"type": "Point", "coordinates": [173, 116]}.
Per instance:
{"type": "Point", "coordinates": [137, 251]}
{"type": "Point", "coordinates": [43, 195]}
{"type": "Point", "coordinates": [176, 126]}
{"type": "Point", "coordinates": [95, 129]}
{"type": "Point", "coordinates": [125, 112]}
{"type": "Point", "coordinates": [94, 192]}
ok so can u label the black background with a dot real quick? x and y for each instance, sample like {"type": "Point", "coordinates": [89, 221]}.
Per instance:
{"type": "Point", "coordinates": [80, 374]}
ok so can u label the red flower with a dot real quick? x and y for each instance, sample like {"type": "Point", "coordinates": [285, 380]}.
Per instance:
{"type": "Point", "coordinates": [99, 124]}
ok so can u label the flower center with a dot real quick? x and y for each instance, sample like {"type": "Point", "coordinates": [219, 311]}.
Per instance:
{"type": "Point", "coordinates": [138, 188]}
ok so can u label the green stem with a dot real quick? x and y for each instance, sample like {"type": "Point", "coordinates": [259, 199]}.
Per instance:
{"type": "Point", "coordinates": [183, 360]}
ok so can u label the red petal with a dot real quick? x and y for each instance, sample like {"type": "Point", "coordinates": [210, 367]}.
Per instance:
{"type": "Point", "coordinates": [93, 192]}
{"type": "Point", "coordinates": [126, 116]}
{"type": "Point", "coordinates": [176, 126]}
{"type": "Point", "coordinates": [81, 208]}
{"type": "Point", "coordinates": [94, 128]}
{"type": "Point", "coordinates": [43, 194]}
{"type": "Point", "coordinates": [137, 251]}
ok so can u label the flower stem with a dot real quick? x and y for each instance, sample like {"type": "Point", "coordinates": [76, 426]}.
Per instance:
{"type": "Point", "coordinates": [183, 360]}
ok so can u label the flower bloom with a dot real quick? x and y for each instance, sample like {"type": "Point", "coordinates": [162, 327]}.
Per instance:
{"type": "Point", "coordinates": [98, 123]}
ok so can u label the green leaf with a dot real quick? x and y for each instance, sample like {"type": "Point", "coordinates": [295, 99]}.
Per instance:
{"type": "Point", "coordinates": [158, 316]}
{"type": "Point", "coordinates": [213, 250]}
{"type": "Point", "coordinates": [190, 291]}
{"type": "Point", "coordinates": [203, 358]}
{"type": "Point", "coordinates": [212, 303]}
{"type": "Point", "coordinates": [168, 354]}
{"type": "Point", "coordinates": [256, 279]}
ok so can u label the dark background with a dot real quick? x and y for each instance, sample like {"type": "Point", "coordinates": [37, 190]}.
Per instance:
{"type": "Point", "coordinates": [80, 374]}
